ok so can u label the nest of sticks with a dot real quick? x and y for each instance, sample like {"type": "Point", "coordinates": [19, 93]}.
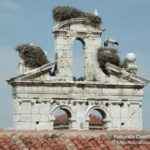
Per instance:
{"type": "Point", "coordinates": [107, 55]}
{"type": "Point", "coordinates": [62, 13]}
{"type": "Point", "coordinates": [33, 56]}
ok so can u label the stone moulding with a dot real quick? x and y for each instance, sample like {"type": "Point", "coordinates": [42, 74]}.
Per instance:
{"type": "Point", "coordinates": [73, 21]}
{"type": "Point", "coordinates": [120, 72]}
{"type": "Point", "coordinates": [53, 85]}
{"type": "Point", "coordinates": [77, 84]}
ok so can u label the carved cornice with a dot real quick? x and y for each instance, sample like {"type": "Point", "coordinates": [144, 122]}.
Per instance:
{"type": "Point", "coordinates": [71, 21]}
{"type": "Point", "coordinates": [81, 84]}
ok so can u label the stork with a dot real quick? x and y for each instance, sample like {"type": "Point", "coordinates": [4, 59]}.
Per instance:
{"type": "Point", "coordinates": [110, 41]}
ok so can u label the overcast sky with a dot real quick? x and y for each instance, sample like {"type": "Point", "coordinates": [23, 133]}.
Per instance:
{"type": "Point", "coordinates": [23, 21]}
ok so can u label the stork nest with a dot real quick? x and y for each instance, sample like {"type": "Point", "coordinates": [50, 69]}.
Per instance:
{"type": "Point", "coordinates": [107, 55]}
{"type": "Point", "coordinates": [33, 56]}
{"type": "Point", "coordinates": [62, 13]}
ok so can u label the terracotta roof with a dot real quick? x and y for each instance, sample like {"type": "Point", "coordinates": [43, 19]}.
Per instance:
{"type": "Point", "coordinates": [74, 140]}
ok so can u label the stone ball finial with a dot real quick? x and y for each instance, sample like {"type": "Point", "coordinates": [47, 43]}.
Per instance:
{"type": "Point", "coordinates": [131, 57]}
{"type": "Point", "coordinates": [130, 63]}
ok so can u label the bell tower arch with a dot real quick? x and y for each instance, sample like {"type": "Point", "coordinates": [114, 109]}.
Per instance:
{"type": "Point", "coordinates": [65, 33]}
{"type": "Point", "coordinates": [78, 60]}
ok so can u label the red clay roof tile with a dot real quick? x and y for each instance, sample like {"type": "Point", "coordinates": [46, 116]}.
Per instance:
{"type": "Point", "coordinates": [71, 140]}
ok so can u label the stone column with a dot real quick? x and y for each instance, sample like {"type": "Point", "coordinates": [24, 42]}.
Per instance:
{"type": "Point", "coordinates": [86, 124]}
{"type": "Point", "coordinates": [92, 70]}
{"type": "Point", "coordinates": [140, 117]}
{"type": "Point", "coordinates": [22, 68]}
{"type": "Point", "coordinates": [73, 124]}
{"type": "Point", "coordinates": [64, 59]}
{"type": "Point", "coordinates": [51, 123]}
{"type": "Point", "coordinates": [89, 57]}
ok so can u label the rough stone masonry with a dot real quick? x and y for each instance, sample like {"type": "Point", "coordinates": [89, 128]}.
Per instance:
{"type": "Point", "coordinates": [38, 93]}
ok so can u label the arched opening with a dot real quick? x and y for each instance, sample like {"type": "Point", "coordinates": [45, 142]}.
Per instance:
{"type": "Point", "coordinates": [97, 119]}
{"type": "Point", "coordinates": [62, 119]}
{"type": "Point", "coordinates": [78, 60]}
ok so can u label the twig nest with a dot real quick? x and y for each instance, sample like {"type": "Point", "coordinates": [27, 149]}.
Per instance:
{"type": "Point", "coordinates": [33, 56]}
{"type": "Point", "coordinates": [62, 13]}
{"type": "Point", "coordinates": [107, 55]}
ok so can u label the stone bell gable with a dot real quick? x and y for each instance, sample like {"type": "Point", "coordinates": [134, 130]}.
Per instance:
{"type": "Point", "coordinates": [48, 97]}
{"type": "Point", "coordinates": [65, 34]}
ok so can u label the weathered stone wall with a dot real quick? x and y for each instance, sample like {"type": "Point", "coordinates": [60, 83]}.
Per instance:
{"type": "Point", "coordinates": [64, 39]}
{"type": "Point", "coordinates": [34, 104]}
{"type": "Point", "coordinates": [37, 96]}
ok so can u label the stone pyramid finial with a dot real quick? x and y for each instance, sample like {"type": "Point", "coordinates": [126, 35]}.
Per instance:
{"type": "Point", "coordinates": [96, 12]}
